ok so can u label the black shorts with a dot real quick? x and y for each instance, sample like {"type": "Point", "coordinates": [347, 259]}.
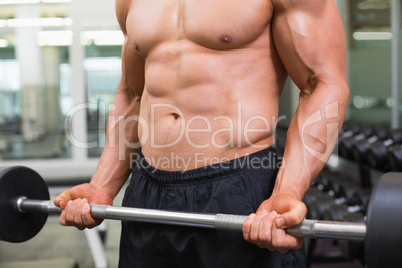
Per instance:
{"type": "Point", "coordinates": [235, 187]}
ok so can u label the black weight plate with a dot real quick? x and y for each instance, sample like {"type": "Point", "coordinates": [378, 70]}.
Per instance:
{"type": "Point", "coordinates": [16, 182]}
{"type": "Point", "coordinates": [383, 244]}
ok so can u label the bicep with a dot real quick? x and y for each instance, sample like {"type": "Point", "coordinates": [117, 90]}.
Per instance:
{"type": "Point", "coordinates": [129, 91]}
{"type": "Point", "coordinates": [132, 78]}
{"type": "Point", "coordinates": [121, 7]}
{"type": "Point", "coordinates": [310, 41]}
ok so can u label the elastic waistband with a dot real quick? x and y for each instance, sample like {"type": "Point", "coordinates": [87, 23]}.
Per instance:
{"type": "Point", "coordinates": [265, 159]}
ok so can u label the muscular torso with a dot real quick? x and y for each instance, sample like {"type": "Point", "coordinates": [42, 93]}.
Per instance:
{"type": "Point", "coordinates": [212, 79]}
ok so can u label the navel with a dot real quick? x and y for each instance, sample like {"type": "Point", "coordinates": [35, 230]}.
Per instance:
{"type": "Point", "coordinates": [225, 38]}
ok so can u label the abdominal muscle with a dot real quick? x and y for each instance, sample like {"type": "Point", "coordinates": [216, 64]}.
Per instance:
{"type": "Point", "coordinates": [201, 109]}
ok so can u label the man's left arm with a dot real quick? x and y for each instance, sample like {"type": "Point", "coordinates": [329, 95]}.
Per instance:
{"type": "Point", "coordinates": [310, 41]}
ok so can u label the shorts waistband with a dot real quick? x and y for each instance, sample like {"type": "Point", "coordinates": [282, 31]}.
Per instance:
{"type": "Point", "coordinates": [265, 159]}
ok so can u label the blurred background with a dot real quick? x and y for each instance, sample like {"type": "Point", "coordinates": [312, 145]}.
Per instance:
{"type": "Point", "coordinates": [60, 60]}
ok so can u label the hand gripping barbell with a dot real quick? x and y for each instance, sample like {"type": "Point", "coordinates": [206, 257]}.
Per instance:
{"type": "Point", "coordinates": [25, 205]}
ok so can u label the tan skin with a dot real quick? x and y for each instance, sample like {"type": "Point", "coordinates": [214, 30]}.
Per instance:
{"type": "Point", "coordinates": [205, 78]}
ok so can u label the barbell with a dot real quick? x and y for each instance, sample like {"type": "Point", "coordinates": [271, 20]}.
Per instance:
{"type": "Point", "coordinates": [25, 205]}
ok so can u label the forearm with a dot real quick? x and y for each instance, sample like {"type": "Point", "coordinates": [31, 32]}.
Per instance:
{"type": "Point", "coordinates": [122, 144]}
{"type": "Point", "coordinates": [311, 137]}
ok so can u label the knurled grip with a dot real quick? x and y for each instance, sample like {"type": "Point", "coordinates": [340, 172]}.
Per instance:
{"type": "Point", "coordinates": [304, 229]}
{"type": "Point", "coordinates": [99, 211]}
{"type": "Point", "coordinates": [229, 222]}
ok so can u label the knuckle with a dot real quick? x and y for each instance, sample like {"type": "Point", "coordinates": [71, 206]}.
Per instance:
{"type": "Point", "coordinates": [247, 223]}
{"type": "Point", "coordinates": [62, 221]}
{"type": "Point", "coordinates": [303, 207]}
{"type": "Point", "coordinates": [293, 218]}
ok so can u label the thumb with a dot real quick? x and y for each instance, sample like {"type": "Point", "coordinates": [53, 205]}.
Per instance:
{"type": "Point", "coordinates": [291, 218]}
{"type": "Point", "coordinates": [62, 200]}
{"type": "Point", "coordinates": [265, 207]}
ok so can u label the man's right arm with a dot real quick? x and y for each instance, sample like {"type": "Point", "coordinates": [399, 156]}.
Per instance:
{"type": "Point", "coordinates": [122, 140]}
{"type": "Point", "coordinates": [122, 130]}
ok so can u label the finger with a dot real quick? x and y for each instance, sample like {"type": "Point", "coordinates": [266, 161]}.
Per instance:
{"type": "Point", "coordinates": [293, 217]}
{"type": "Point", "coordinates": [265, 232]}
{"type": "Point", "coordinates": [265, 207]}
{"type": "Point", "coordinates": [63, 215]}
{"type": "Point", "coordinates": [247, 227]}
{"type": "Point", "coordinates": [70, 212]}
{"type": "Point", "coordinates": [87, 219]}
{"type": "Point", "coordinates": [284, 242]}
{"type": "Point", "coordinates": [62, 199]}
{"type": "Point", "coordinates": [78, 222]}
{"type": "Point", "coordinates": [255, 230]}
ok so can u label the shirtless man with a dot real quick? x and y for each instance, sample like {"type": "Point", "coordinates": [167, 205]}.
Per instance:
{"type": "Point", "coordinates": [199, 94]}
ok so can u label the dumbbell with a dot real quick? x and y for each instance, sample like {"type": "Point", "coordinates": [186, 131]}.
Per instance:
{"type": "Point", "coordinates": [377, 153]}
{"type": "Point", "coordinates": [360, 148]}
{"type": "Point", "coordinates": [339, 191]}
{"type": "Point", "coordinates": [359, 201]}
{"type": "Point", "coordinates": [334, 198]}
{"type": "Point", "coordinates": [351, 127]}
{"type": "Point", "coordinates": [335, 212]}
{"type": "Point", "coordinates": [24, 207]}
{"type": "Point", "coordinates": [335, 185]}
{"type": "Point", "coordinates": [318, 196]}
{"type": "Point", "coordinates": [349, 209]}
{"type": "Point", "coordinates": [347, 139]}
{"type": "Point", "coordinates": [347, 198]}
{"type": "Point", "coordinates": [327, 181]}
{"type": "Point", "coordinates": [395, 157]}
{"type": "Point", "coordinates": [356, 202]}
{"type": "Point", "coordinates": [319, 204]}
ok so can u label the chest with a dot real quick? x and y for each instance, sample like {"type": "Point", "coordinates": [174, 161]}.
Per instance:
{"type": "Point", "coordinates": [215, 24]}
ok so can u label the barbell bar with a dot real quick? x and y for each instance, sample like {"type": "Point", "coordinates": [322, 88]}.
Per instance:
{"type": "Point", "coordinates": [25, 205]}
{"type": "Point", "coordinates": [307, 228]}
